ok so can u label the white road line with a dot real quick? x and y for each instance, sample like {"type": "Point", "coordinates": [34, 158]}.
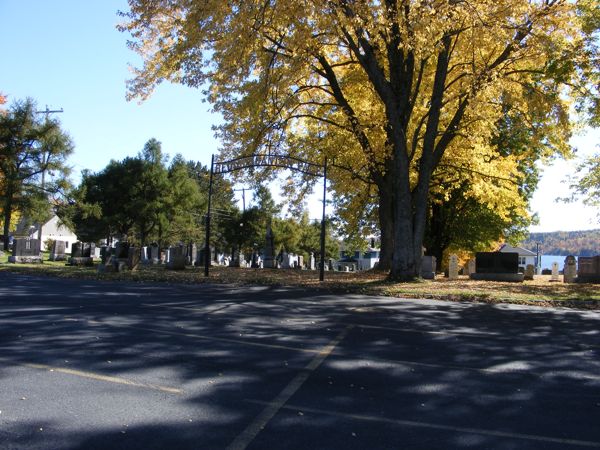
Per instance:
{"type": "Point", "coordinates": [438, 426]}
{"type": "Point", "coordinates": [483, 370]}
{"type": "Point", "coordinates": [247, 436]}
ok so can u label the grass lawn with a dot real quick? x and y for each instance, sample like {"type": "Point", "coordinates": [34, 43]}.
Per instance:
{"type": "Point", "coordinates": [540, 291]}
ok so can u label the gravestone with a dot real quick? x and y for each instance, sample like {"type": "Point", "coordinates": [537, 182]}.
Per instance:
{"type": "Point", "coordinates": [81, 254]}
{"type": "Point", "coordinates": [176, 258]}
{"type": "Point", "coordinates": [254, 262]}
{"type": "Point", "coordinates": [570, 269]}
{"type": "Point", "coordinates": [133, 258]}
{"type": "Point", "coordinates": [312, 262]}
{"type": "Point", "coordinates": [77, 250]}
{"type": "Point", "coordinates": [285, 260]}
{"type": "Point", "coordinates": [155, 254]}
{"type": "Point", "coordinates": [588, 270]}
{"type": "Point", "coordinates": [26, 251]}
{"type": "Point", "coordinates": [471, 267]}
{"type": "Point", "coordinates": [269, 260]}
{"type": "Point", "coordinates": [104, 254]}
{"type": "Point", "coordinates": [453, 267]}
{"type": "Point", "coordinates": [428, 267]}
{"type": "Point", "coordinates": [191, 254]}
{"type": "Point", "coordinates": [497, 266]}
{"type": "Point", "coordinates": [88, 250]}
{"type": "Point", "coordinates": [554, 276]}
{"type": "Point", "coordinates": [300, 262]}
{"type": "Point", "coordinates": [58, 253]}
{"type": "Point", "coordinates": [122, 250]}
{"type": "Point", "coordinates": [145, 255]}
{"type": "Point", "coordinates": [529, 272]}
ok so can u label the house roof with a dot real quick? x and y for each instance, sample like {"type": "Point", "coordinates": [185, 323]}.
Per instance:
{"type": "Point", "coordinates": [506, 248]}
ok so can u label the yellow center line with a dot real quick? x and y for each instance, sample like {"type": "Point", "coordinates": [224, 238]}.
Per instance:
{"type": "Point", "coordinates": [247, 436]}
{"type": "Point", "coordinates": [96, 376]}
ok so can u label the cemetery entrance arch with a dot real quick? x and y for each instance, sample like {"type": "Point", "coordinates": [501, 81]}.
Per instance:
{"type": "Point", "coordinates": [266, 160]}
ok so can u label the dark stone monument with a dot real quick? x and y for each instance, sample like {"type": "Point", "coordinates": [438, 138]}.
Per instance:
{"type": "Point", "coordinates": [254, 264]}
{"type": "Point", "coordinates": [58, 253]}
{"type": "Point", "coordinates": [497, 266]}
{"type": "Point", "coordinates": [269, 260]}
{"type": "Point", "coordinates": [122, 250]}
{"type": "Point", "coordinates": [76, 250]}
{"type": "Point", "coordinates": [588, 270]}
{"type": "Point", "coordinates": [104, 253]}
{"type": "Point", "coordinates": [26, 251]}
{"type": "Point", "coordinates": [176, 258]}
{"type": "Point", "coordinates": [82, 254]}
{"type": "Point", "coordinates": [428, 266]}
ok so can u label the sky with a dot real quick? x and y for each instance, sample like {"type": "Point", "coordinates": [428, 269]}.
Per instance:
{"type": "Point", "coordinates": [68, 54]}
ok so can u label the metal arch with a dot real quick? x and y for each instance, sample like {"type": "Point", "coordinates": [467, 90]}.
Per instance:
{"type": "Point", "coordinates": [266, 160]}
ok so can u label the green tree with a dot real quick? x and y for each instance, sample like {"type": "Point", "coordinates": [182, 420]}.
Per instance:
{"type": "Point", "coordinates": [30, 146]}
{"type": "Point", "coordinates": [185, 205]}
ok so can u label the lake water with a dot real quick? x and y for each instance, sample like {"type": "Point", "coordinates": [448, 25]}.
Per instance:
{"type": "Point", "coordinates": [547, 261]}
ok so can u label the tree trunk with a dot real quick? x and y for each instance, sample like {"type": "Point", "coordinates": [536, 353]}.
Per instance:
{"type": "Point", "coordinates": [404, 264]}
{"type": "Point", "coordinates": [386, 226]}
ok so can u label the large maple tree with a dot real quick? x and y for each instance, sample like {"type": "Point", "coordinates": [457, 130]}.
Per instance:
{"type": "Point", "coordinates": [390, 91]}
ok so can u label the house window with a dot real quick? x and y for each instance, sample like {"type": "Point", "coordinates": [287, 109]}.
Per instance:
{"type": "Point", "coordinates": [522, 260]}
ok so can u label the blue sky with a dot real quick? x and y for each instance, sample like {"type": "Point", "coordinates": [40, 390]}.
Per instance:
{"type": "Point", "coordinates": [67, 54]}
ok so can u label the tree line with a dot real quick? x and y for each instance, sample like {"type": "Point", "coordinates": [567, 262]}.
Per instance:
{"type": "Point", "coordinates": [579, 243]}
{"type": "Point", "coordinates": [147, 199]}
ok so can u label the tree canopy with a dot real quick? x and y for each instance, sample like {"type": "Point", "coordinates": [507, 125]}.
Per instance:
{"type": "Point", "coordinates": [398, 93]}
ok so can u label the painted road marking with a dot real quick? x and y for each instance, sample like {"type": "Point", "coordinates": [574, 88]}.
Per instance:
{"type": "Point", "coordinates": [437, 426]}
{"type": "Point", "coordinates": [483, 370]}
{"type": "Point", "coordinates": [96, 376]}
{"type": "Point", "coordinates": [247, 436]}
{"type": "Point", "coordinates": [206, 338]}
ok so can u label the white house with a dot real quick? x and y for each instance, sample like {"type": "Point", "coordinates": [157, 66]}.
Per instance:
{"type": "Point", "coordinates": [50, 230]}
{"type": "Point", "coordinates": [525, 256]}
{"type": "Point", "coordinates": [358, 261]}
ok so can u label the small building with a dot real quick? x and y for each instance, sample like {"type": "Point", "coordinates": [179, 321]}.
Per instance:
{"type": "Point", "coordinates": [526, 257]}
{"type": "Point", "coordinates": [358, 260]}
{"type": "Point", "coordinates": [52, 229]}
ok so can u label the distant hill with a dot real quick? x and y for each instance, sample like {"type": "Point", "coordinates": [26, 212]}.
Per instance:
{"type": "Point", "coordinates": [578, 243]}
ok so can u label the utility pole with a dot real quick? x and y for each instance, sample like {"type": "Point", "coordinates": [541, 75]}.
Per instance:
{"type": "Point", "coordinates": [45, 157]}
{"type": "Point", "coordinates": [243, 197]}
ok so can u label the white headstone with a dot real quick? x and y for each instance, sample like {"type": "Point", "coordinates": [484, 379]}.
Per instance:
{"type": "Point", "coordinates": [554, 272]}
{"type": "Point", "coordinates": [453, 267]}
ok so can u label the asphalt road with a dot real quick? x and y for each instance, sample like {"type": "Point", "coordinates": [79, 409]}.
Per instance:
{"type": "Point", "coordinates": [108, 365]}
